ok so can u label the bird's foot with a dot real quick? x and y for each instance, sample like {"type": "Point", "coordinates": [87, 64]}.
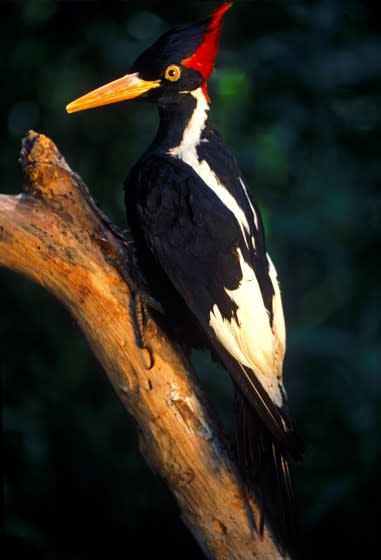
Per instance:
{"type": "Point", "coordinates": [142, 305]}
{"type": "Point", "coordinates": [142, 301]}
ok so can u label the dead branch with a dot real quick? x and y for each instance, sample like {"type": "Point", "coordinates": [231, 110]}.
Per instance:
{"type": "Point", "coordinates": [54, 234]}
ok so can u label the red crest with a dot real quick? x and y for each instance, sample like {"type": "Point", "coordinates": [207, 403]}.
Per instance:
{"type": "Point", "coordinates": [204, 56]}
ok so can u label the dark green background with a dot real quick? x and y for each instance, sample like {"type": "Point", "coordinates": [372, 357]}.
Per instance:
{"type": "Point", "coordinates": [296, 96]}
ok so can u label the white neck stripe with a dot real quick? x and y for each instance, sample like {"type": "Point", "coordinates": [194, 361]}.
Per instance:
{"type": "Point", "coordinates": [187, 152]}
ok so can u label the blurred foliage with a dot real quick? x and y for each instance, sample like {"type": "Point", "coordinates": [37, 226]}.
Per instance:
{"type": "Point", "coordinates": [296, 94]}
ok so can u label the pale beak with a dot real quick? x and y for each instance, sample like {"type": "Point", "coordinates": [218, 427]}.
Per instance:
{"type": "Point", "coordinates": [127, 87]}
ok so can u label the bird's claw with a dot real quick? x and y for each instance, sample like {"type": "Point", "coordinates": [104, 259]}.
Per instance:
{"type": "Point", "coordinates": [142, 302]}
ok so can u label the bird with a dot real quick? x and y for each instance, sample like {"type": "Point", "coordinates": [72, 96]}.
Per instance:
{"type": "Point", "coordinates": [200, 244]}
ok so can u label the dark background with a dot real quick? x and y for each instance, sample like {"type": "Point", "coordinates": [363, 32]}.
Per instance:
{"type": "Point", "coordinates": [296, 96]}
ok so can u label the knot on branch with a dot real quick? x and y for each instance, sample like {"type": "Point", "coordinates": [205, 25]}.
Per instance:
{"type": "Point", "coordinates": [42, 164]}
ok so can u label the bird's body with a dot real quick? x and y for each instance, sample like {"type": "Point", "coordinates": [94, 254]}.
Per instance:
{"type": "Point", "coordinates": [199, 237]}
{"type": "Point", "coordinates": [200, 242]}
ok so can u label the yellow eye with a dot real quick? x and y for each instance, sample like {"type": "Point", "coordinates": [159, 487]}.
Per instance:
{"type": "Point", "coordinates": [172, 73]}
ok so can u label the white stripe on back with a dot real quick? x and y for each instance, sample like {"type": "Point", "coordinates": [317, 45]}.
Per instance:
{"type": "Point", "coordinates": [249, 201]}
{"type": "Point", "coordinates": [187, 152]}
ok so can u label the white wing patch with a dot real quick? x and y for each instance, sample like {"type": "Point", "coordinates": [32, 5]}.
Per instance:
{"type": "Point", "coordinates": [252, 341]}
{"type": "Point", "coordinates": [279, 327]}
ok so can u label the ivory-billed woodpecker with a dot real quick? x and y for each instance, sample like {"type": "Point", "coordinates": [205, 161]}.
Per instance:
{"type": "Point", "coordinates": [200, 243]}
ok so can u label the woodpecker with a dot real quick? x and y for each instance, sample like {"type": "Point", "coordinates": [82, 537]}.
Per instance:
{"type": "Point", "coordinates": [200, 243]}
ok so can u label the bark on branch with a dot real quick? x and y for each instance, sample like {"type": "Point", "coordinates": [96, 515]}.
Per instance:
{"type": "Point", "coordinates": [54, 234]}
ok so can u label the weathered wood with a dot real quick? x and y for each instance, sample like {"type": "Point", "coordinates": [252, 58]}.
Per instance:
{"type": "Point", "coordinates": [54, 234]}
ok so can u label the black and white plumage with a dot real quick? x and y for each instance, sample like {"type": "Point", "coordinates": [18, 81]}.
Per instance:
{"type": "Point", "coordinates": [200, 242]}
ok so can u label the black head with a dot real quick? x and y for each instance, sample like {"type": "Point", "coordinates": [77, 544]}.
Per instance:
{"type": "Point", "coordinates": [163, 61]}
{"type": "Point", "coordinates": [180, 61]}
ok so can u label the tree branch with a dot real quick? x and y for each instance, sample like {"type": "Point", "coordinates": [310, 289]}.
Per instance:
{"type": "Point", "coordinates": [54, 234]}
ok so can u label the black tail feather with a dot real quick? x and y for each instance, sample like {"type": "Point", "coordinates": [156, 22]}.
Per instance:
{"type": "Point", "coordinates": [285, 513]}
{"type": "Point", "coordinates": [265, 466]}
